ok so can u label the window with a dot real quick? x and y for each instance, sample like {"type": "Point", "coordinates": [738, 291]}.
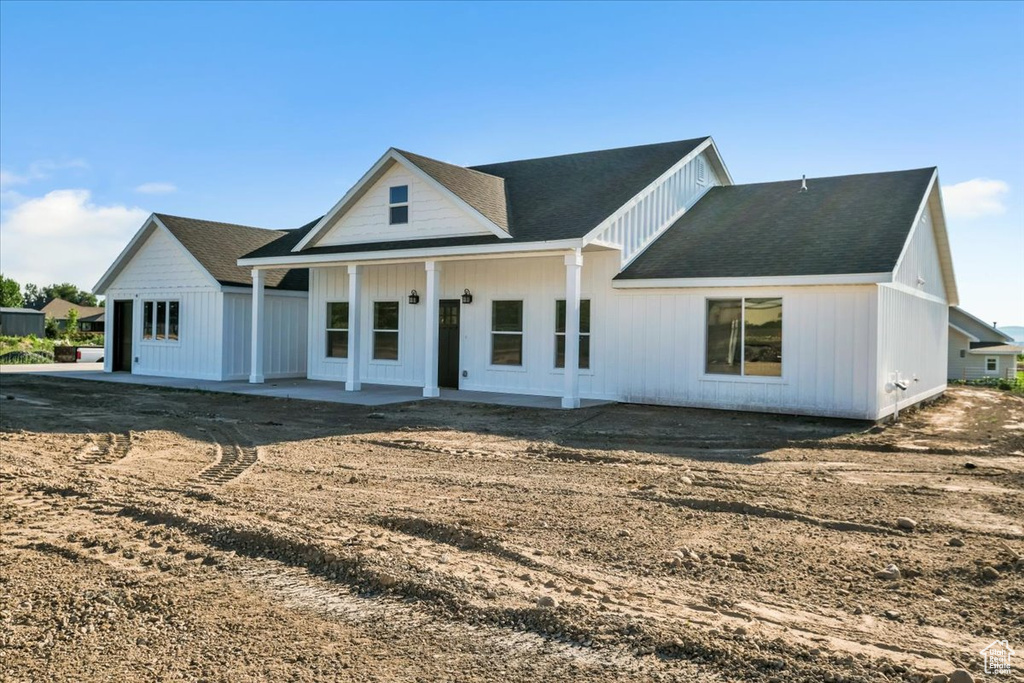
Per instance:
{"type": "Point", "coordinates": [991, 364]}
{"type": "Point", "coordinates": [963, 353]}
{"type": "Point", "coordinates": [584, 333]}
{"type": "Point", "coordinates": [385, 330]}
{"type": "Point", "coordinates": [160, 320]}
{"type": "Point", "coordinates": [506, 333]}
{"type": "Point", "coordinates": [147, 320]}
{"type": "Point", "coordinates": [398, 205]}
{"type": "Point", "coordinates": [337, 329]}
{"type": "Point", "coordinates": [750, 326]}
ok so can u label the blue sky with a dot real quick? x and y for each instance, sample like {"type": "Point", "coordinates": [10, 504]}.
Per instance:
{"type": "Point", "coordinates": [265, 113]}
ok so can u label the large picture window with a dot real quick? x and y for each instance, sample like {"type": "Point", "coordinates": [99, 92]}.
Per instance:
{"type": "Point", "coordinates": [506, 333]}
{"type": "Point", "coordinates": [160, 320]}
{"type": "Point", "coordinates": [385, 330]}
{"type": "Point", "coordinates": [337, 329]}
{"type": "Point", "coordinates": [584, 333]}
{"type": "Point", "coordinates": [744, 337]}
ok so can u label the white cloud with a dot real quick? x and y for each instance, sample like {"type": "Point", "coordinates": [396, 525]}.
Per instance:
{"type": "Point", "coordinates": [975, 198]}
{"type": "Point", "coordinates": [156, 188]}
{"type": "Point", "coordinates": [38, 170]}
{"type": "Point", "coordinates": [64, 237]}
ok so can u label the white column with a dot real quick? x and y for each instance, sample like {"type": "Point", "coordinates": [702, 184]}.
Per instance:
{"type": "Point", "coordinates": [258, 323]}
{"type": "Point", "coordinates": [573, 266]}
{"type": "Point", "coordinates": [355, 332]}
{"type": "Point", "coordinates": [430, 388]}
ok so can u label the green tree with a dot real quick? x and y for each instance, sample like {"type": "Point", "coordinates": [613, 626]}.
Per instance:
{"type": "Point", "coordinates": [72, 327]}
{"type": "Point", "coordinates": [52, 327]}
{"type": "Point", "coordinates": [10, 293]}
{"type": "Point", "coordinates": [36, 297]}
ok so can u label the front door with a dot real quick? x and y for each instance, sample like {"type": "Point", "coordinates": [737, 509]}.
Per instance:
{"type": "Point", "coordinates": [448, 344]}
{"type": "Point", "coordinates": [122, 339]}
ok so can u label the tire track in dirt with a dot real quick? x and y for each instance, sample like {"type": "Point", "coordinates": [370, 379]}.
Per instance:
{"type": "Point", "coordinates": [105, 449]}
{"type": "Point", "coordinates": [234, 458]}
{"type": "Point", "coordinates": [740, 508]}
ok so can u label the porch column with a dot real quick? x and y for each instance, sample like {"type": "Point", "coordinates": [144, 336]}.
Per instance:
{"type": "Point", "coordinates": [355, 333]}
{"type": "Point", "coordinates": [573, 265]}
{"type": "Point", "coordinates": [258, 322]}
{"type": "Point", "coordinates": [430, 388]}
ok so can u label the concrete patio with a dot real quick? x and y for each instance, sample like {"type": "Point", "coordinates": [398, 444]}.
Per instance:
{"type": "Point", "coordinates": [302, 389]}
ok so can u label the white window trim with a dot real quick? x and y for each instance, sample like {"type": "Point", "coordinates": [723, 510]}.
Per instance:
{"type": "Point", "coordinates": [555, 370]}
{"type": "Point", "coordinates": [154, 340]}
{"type": "Point", "coordinates": [374, 330]}
{"type": "Point", "coordinates": [407, 203]}
{"type": "Point", "coordinates": [992, 358]}
{"type": "Point", "coordinates": [743, 377]}
{"type": "Point", "coordinates": [327, 309]}
{"type": "Point", "coordinates": [490, 339]}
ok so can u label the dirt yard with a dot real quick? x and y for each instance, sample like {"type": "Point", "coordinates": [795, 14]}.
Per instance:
{"type": "Point", "coordinates": [151, 534]}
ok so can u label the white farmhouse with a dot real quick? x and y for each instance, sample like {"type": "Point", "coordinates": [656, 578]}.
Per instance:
{"type": "Point", "coordinates": [640, 274]}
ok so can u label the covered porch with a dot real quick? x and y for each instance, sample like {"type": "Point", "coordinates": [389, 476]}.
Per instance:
{"type": "Point", "coordinates": [369, 395]}
{"type": "Point", "coordinates": [459, 327]}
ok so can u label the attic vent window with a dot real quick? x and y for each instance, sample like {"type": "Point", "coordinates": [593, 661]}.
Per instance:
{"type": "Point", "coordinates": [398, 205]}
{"type": "Point", "coordinates": [702, 175]}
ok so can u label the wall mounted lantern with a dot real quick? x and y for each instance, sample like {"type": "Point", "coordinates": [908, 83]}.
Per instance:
{"type": "Point", "coordinates": [467, 298]}
{"type": "Point", "coordinates": [414, 298]}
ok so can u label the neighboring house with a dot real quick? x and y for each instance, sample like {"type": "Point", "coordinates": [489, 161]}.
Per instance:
{"type": "Point", "coordinates": [90, 318]}
{"type": "Point", "coordinates": [22, 322]}
{"type": "Point", "coordinates": [640, 274]}
{"type": "Point", "coordinates": [978, 350]}
{"type": "Point", "coordinates": [181, 306]}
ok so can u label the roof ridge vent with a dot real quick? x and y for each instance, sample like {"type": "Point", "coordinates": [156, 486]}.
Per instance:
{"type": "Point", "coordinates": [803, 184]}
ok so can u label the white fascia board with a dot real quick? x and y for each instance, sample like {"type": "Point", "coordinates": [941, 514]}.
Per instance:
{"type": "Point", "coordinates": [938, 227]}
{"type": "Point", "coordinates": [393, 156]}
{"type": "Point", "coordinates": [188, 254]}
{"type": "Point", "coordinates": [395, 255]}
{"type": "Point", "coordinates": [720, 162]}
{"type": "Point", "coordinates": [921, 208]}
{"type": "Point", "coordinates": [125, 256]}
{"type": "Point", "coordinates": [771, 281]}
{"type": "Point", "coordinates": [603, 225]}
{"type": "Point", "coordinates": [458, 201]}
{"type": "Point", "coordinates": [353, 192]}
{"type": "Point", "coordinates": [964, 332]}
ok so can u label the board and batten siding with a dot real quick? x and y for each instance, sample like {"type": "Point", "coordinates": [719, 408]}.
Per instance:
{"type": "Point", "coordinates": [920, 269]}
{"type": "Point", "coordinates": [284, 343]}
{"type": "Point", "coordinates": [379, 283]}
{"type": "Point", "coordinates": [912, 345]}
{"type": "Point", "coordinates": [647, 215]}
{"type": "Point", "coordinates": [827, 366]}
{"type": "Point", "coordinates": [431, 214]}
{"type": "Point", "coordinates": [647, 346]}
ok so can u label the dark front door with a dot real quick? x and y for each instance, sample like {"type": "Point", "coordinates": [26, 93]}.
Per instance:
{"type": "Point", "coordinates": [122, 339]}
{"type": "Point", "coordinates": [448, 344]}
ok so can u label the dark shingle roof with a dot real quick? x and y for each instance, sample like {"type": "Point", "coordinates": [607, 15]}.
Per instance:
{"type": "Point", "coordinates": [485, 193]}
{"type": "Point", "coordinates": [551, 198]}
{"type": "Point", "coordinates": [567, 196]}
{"type": "Point", "coordinates": [218, 246]}
{"type": "Point", "coordinates": [841, 225]}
